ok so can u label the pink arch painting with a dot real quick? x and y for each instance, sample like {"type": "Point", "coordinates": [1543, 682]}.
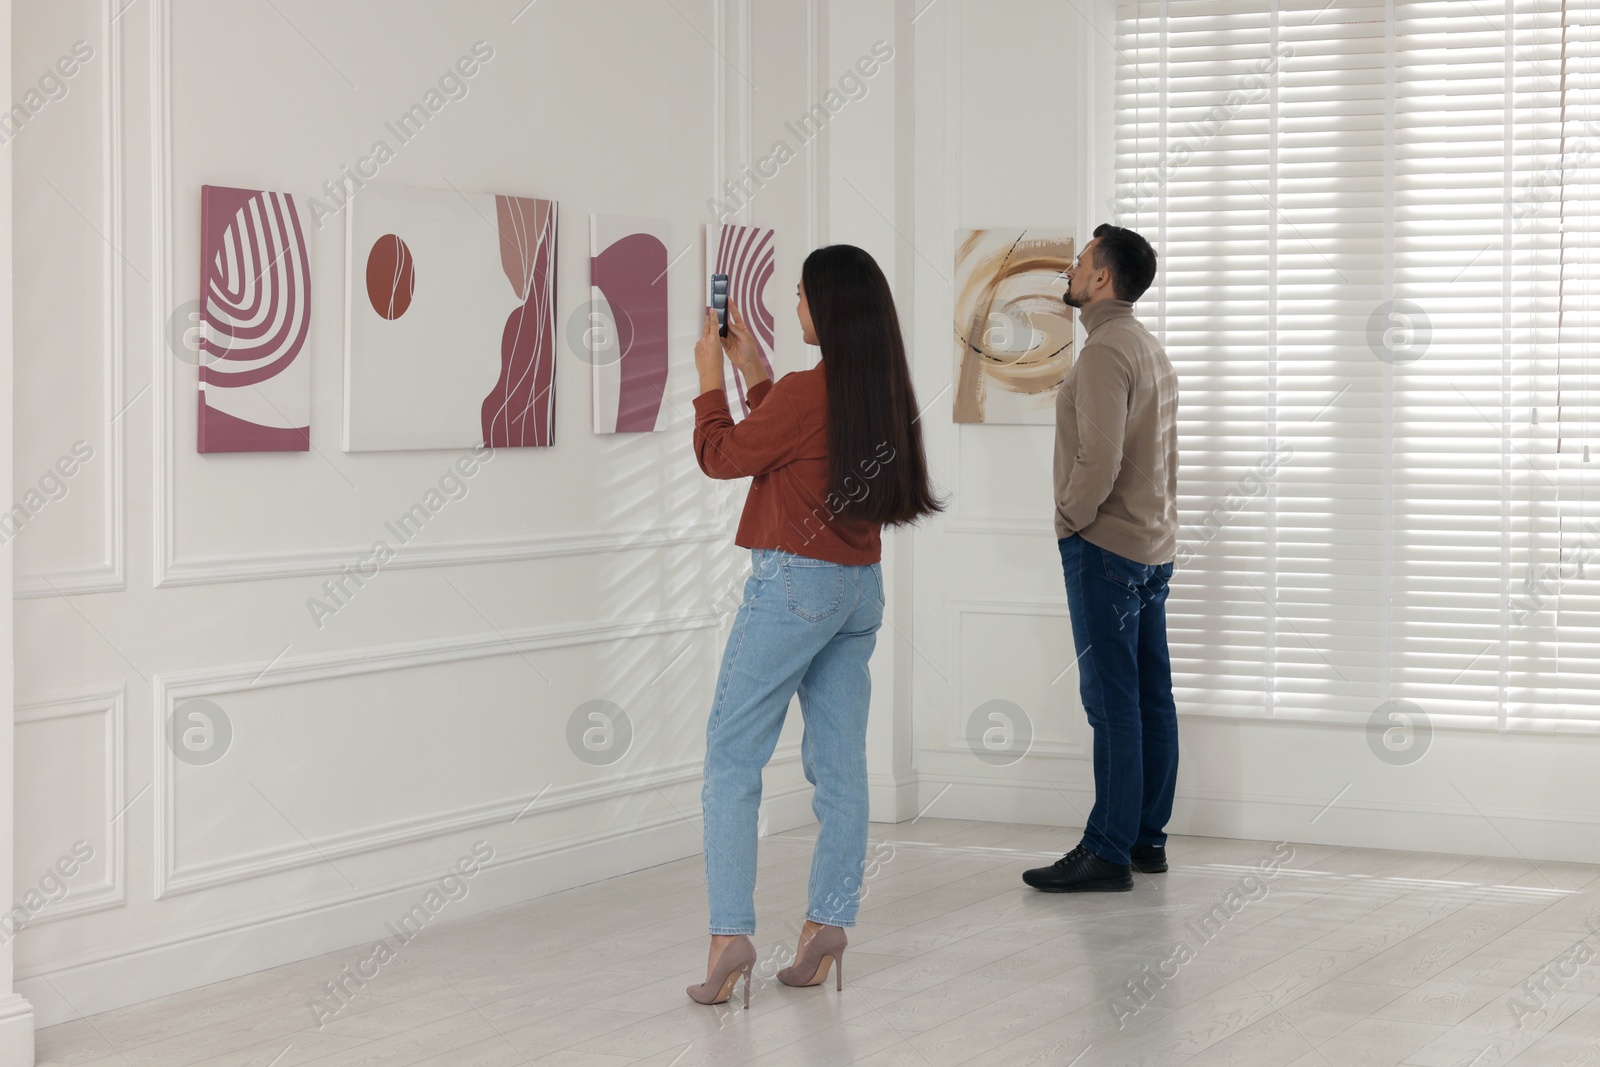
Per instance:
{"type": "Point", "coordinates": [255, 313]}
{"type": "Point", "coordinates": [628, 271]}
{"type": "Point", "coordinates": [520, 410]}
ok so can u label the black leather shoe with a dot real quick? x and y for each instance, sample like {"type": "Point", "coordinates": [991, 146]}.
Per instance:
{"type": "Point", "coordinates": [1081, 871]}
{"type": "Point", "coordinates": [1149, 859]}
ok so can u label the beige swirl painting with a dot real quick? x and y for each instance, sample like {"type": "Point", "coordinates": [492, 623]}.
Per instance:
{"type": "Point", "coordinates": [1014, 335]}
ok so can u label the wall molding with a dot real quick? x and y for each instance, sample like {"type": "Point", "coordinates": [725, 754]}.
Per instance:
{"type": "Point", "coordinates": [109, 575]}
{"type": "Point", "coordinates": [110, 702]}
{"type": "Point", "coordinates": [816, 159]}
{"type": "Point", "coordinates": [110, 978]}
{"type": "Point", "coordinates": [312, 562]}
{"type": "Point", "coordinates": [161, 287]}
{"type": "Point", "coordinates": [892, 798]}
{"type": "Point", "coordinates": [948, 122]}
{"type": "Point", "coordinates": [173, 688]}
{"type": "Point", "coordinates": [17, 1023]}
{"type": "Point", "coordinates": [958, 610]}
{"type": "Point", "coordinates": [745, 52]}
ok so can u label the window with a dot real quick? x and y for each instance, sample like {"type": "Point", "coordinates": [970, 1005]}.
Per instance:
{"type": "Point", "coordinates": [1379, 233]}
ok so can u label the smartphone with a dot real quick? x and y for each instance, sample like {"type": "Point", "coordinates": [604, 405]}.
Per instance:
{"type": "Point", "coordinates": [719, 302]}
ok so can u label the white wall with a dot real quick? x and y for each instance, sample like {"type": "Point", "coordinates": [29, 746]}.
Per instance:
{"type": "Point", "coordinates": [866, 175]}
{"type": "Point", "coordinates": [432, 711]}
{"type": "Point", "coordinates": [1011, 126]}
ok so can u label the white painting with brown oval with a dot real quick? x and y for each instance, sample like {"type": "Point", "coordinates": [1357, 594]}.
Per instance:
{"type": "Point", "coordinates": [1014, 334]}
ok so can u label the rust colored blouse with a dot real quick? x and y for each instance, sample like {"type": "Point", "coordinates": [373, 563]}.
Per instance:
{"type": "Point", "coordinates": [782, 446]}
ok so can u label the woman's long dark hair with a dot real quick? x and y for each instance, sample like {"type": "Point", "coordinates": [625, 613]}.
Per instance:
{"type": "Point", "coordinates": [877, 470]}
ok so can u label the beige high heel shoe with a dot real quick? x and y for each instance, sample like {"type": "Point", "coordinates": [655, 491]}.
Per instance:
{"type": "Point", "coordinates": [739, 957]}
{"type": "Point", "coordinates": [811, 966]}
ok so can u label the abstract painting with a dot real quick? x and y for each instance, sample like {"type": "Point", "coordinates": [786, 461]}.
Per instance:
{"type": "Point", "coordinates": [627, 334]}
{"type": "Point", "coordinates": [748, 256]}
{"type": "Point", "coordinates": [1014, 335]}
{"type": "Point", "coordinates": [449, 320]}
{"type": "Point", "coordinates": [255, 312]}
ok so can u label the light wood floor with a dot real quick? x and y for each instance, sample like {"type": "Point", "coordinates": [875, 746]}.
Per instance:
{"type": "Point", "coordinates": [1346, 957]}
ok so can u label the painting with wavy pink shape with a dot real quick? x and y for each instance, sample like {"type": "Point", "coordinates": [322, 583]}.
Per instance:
{"type": "Point", "coordinates": [520, 409]}
{"type": "Point", "coordinates": [748, 256]}
{"type": "Point", "coordinates": [627, 331]}
{"type": "Point", "coordinates": [255, 313]}
{"type": "Point", "coordinates": [450, 304]}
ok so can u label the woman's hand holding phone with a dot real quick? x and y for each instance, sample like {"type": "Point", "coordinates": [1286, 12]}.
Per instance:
{"type": "Point", "coordinates": [740, 348]}
{"type": "Point", "coordinates": [708, 353]}
{"type": "Point", "coordinates": [744, 352]}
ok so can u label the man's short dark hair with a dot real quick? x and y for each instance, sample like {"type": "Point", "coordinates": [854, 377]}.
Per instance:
{"type": "Point", "coordinates": [1129, 258]}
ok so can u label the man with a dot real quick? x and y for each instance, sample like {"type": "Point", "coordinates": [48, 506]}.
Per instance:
{"type": "Point", "coordinates": [1116, 479]}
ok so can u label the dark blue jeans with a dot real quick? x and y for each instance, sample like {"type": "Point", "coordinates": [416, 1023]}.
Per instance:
{"type": "Point", "coordinates": [1119, 624]}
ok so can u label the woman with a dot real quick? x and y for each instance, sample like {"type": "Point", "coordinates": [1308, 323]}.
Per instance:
{"type": "Point", "coordinates": [834, 454]}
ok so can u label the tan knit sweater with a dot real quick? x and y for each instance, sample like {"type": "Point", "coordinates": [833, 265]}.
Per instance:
{"type": "Point", "coordinates": [1116, 467]}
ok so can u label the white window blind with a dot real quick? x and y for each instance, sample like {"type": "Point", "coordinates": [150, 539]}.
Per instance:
{"type": "Point", "coordinates": [1379, 233]}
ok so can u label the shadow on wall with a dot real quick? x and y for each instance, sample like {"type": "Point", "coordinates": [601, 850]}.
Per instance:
{"type": "Point", "coordinates": [647, 716]}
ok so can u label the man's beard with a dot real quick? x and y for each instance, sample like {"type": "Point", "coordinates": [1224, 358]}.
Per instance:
{"type": "Point", "coordinates": [1072, 301]}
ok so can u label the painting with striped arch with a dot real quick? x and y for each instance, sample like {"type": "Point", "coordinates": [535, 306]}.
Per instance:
{"type": "Point", "coordinates": [449, 320]}
{"type": "Point", "coordinates": [748, 256]}
{"type": "Point", "coordinates": [255, 314]}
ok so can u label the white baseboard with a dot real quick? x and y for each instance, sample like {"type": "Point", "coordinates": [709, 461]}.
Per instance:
{"type": "Point", "coordinates": [145, 973]}
{"type": "Point", "coordinates": [16, 1031]}
{"type": "Point", "coordinates": [891, 799]}
{"type": "Point", "coordinates": [1511, 834]}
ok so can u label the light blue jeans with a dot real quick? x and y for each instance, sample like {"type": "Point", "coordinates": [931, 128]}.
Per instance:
{"type": "Point", "coordinates": [805, 625]}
